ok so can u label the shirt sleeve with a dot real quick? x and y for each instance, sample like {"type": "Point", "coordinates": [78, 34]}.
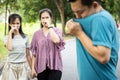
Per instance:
{"type": "Point", "coordinates": [102, 32]}
{"type": "Point", "coordinates": [5, 40]}
{"type": "Point", "coordinates": [33, 47]}
{"type": "Point", "coordinates": [27, 42]}
{"type": "Point", "coordinates": [61, 44]}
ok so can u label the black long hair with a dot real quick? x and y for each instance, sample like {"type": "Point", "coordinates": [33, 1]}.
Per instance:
{"type": "Point", "coordinates": [11, 19]}
{"type": "Point", "coordinates": [45, 10]}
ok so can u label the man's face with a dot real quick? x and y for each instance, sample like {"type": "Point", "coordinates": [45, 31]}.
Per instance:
{"type": "Point", "coordinates": [78, 9]}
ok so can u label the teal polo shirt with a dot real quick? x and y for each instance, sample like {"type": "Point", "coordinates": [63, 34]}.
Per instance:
{"type": "Point", "coordinates": [102, 30]}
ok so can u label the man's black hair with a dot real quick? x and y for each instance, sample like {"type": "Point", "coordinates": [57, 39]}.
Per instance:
{"type": "Point", "coordinates": [86, 2]}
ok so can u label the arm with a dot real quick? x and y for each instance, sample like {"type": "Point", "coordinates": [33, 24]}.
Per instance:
{"type": "Point", "coordinates": [33, 72]}
{"type": "Point", "coordinates": [9, 41]}
{"type": "Point", "coordinates": [54, 37]}
{"type": "Point", "coordinates": [33, 50]}
{"type": "Point", "coordinates": [101, 53]}
{"type": "Point", "coordinates": [29, 57]}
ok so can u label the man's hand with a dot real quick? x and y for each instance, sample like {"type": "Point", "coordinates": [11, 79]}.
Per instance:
{"type": "Point", "coordinates": [73, 27]}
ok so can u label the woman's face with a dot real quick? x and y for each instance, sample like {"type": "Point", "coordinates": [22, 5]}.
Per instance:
{"type": "Point", "coordinates": [45, 19]}
{"type": "Point", "coordinates": [15, 24]}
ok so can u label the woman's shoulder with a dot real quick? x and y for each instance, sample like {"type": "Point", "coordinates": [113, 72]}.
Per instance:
{"type": "Point", "coordinates": [6, 36]}
{"type": "Point", "coordinates": [38, 31]}
{"type": "Point", "coordinates": [26, 36]}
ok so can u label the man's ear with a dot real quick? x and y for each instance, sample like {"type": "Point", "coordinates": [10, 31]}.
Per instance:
{"type": "Point", "coordinates": [95, 4]}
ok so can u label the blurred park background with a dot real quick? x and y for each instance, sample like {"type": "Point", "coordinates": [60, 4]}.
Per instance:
{"type": "Point", "coordinates": [29, 10]}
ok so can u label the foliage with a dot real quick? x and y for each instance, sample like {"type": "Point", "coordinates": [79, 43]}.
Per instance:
{"type": "Point", "coordinates": [113, 7]}
{"type": "Point", "coordinates": [29, 9]}
{"type": "Point", "coordinates": [68, 12]}
{"type": "Point", "coordinates": [3, 51]}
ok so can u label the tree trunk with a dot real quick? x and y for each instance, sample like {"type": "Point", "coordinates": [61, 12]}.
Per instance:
{"type": "Point", "coordinates": [60, 6]}
{"type": "Point", "coordinates": [6, 18]}
{"type": "Point", "coordinates": [54, 22]}
{"type": "Point", "coordinates": [63, 21]}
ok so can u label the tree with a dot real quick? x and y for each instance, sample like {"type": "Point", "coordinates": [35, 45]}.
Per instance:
{"type": "Point", "coordinates": [8, 5]}
{"type": "Point", "coordinates": [113, 7]}
{"type": "Point", "coordinates": [29, 9]}
{"type": "Point", "coordinates": [60, 6]}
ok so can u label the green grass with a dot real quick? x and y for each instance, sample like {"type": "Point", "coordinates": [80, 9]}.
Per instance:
{"type": "Point", "coordinates": [29, 29]}
{"type": "Point", "coordinates": [3, 51]}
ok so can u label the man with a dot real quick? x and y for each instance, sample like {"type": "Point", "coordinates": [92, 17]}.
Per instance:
{"type": "Point", "coordinates": [96, 40]}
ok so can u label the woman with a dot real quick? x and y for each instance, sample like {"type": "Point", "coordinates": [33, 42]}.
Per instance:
{"type": "Point", "coordinates": [17, 43]}
{"type": "Point", "coordinates": [46, 47]}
